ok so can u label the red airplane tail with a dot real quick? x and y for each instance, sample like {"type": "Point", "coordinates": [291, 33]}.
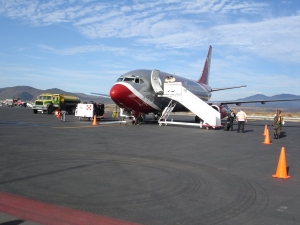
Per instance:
{"type": "Point", "coordinates": [205, 72]}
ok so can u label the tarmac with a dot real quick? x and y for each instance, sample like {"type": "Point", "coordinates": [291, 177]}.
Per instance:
{"type": "Point", "coordinates": [73, 172]}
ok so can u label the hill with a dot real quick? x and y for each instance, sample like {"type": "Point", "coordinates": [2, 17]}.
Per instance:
{"type": "Point", "coordinates": [292, 104]}
{"type": "Point", "coordinates": [27, 93]}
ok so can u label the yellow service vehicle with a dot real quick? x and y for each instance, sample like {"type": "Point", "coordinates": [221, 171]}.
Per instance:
{"type": "Point", "coordinates": [48, 103]}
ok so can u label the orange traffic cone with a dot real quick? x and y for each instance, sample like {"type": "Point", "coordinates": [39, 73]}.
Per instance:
{"type": "Point", "coordinates": [267, 138]}
{"type": "Point", "coordinates": [94, 121]}
{"type": "Point", "coordinates": [265, 130]}
{"type": "Point", "coordinates": [281, 171]}
{"type": "Point", "coordinates": [58, 115]}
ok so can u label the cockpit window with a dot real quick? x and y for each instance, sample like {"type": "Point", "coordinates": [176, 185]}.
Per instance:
{"type": "Point", "coordinates": [139, 81]}
{"type": "Point", "coordinates": [134, 79]}
{"type": "Point", "coordinates": [120, 79]}
{"type": "Point", "coordinates": [129, 79]}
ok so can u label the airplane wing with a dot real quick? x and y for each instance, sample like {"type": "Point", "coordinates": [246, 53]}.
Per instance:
{"type": "Point", "coordinates": [102, 95]}
{"type": "Point", "coordinates": [225, 88]}
{"type": "Point", "coordinates": [239, 102]}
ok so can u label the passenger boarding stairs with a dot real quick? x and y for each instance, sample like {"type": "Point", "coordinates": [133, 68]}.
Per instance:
{"type": "Point", "coordinates": [175, 91]}
{"type": "Point", "coordinates": [165, 114]}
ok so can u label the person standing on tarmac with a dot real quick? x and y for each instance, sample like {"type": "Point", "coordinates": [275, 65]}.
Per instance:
{"type": "Point", "coordinates": [230, 119]}
{"type": "Point", "coordinates": [63, 109]}
{"type": "Point", "coordinates": [277, 124]}
{"type": "Point", "coordinates": [241, 117]}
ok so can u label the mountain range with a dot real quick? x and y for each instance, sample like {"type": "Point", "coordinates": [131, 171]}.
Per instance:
{"type": "Point", "coordinates": [29, 94]}
{"type": "Point", "coordinates": [26, 93]}
{"type": "Point", "coordinates": [290, 104]}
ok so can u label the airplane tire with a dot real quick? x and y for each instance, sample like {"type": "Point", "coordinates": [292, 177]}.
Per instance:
{"type": "Point", "coordinates": [156, 116]}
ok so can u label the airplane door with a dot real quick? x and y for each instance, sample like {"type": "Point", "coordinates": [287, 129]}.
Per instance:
{"type": "Point", "coordinates": [156, 82]}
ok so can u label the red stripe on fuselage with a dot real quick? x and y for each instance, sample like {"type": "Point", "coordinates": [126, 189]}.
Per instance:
{"type": "Point", "coordinates": [49, 214]}
{"type": "Point", "coordinates": [125, 98]}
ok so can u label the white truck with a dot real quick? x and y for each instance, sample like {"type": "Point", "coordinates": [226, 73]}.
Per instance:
{"type": "Point", "coordinates": [85, 110]}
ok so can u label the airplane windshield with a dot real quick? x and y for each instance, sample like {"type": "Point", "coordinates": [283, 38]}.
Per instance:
{"type": "Point", "coordinates": [134, 79]}
{"type": "Point", "coordinates": [129, 79]}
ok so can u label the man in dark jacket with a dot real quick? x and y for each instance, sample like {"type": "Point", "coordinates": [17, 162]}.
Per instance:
{"type": "Point", "coordinates": [230, 119]}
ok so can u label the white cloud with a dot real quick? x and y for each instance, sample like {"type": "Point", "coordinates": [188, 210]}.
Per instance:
{"type": "Point", "coordinates": [99, 18]}
{"type": "Point", "coordinates": [81, 49]}
{"type": "Point", "coordinates": [275, 38]}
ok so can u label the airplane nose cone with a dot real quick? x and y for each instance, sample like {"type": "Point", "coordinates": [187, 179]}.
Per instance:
{"type": "Point", "coordinates": [125, 96]}
{"type": "Point", "coordinates": [115, 91]}
{"type": "Point", "coordinates": [118, 93]}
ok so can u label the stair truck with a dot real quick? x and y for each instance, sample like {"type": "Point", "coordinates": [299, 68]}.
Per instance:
{"type": "Point", "coordinates": [48, 103]}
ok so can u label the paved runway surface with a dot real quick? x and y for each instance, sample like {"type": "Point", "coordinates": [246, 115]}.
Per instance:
{"type": "Point", "coordinates": [55, 172]}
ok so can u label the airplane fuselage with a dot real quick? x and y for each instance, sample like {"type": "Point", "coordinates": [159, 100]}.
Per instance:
{"type": "Point", "coordinates": [134, 91]}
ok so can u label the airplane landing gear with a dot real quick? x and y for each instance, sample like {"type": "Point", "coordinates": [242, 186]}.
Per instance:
{"type": "Point", "coordinates": [156, 116]}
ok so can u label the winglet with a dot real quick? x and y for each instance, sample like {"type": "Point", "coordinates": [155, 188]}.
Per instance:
{"type": "Point", "coordinates": [205, 72]}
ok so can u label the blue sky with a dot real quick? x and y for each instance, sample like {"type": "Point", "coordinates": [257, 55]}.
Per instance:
{"type": "Point", "coordinates": [84, 46]}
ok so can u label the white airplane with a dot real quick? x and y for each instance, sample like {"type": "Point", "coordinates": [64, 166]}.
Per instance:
{"type": "Point", "coordinates": [140, 92]}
